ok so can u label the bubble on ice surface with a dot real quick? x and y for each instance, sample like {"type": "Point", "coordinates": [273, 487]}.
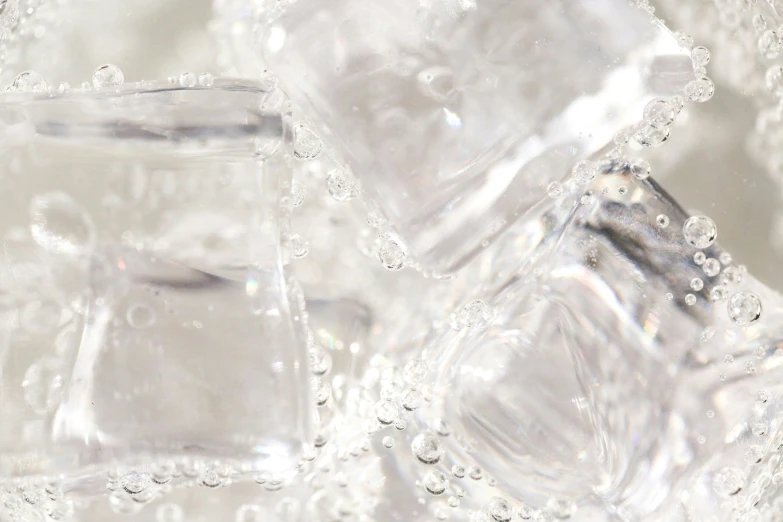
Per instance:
{"type": "Point", "coordinates": [499, 509]}
{"type": "Point", "coordinates": [169, 512]}
{"type": "Point", "coordinates": [42, 384]}
{"type": "Point", "coordinates": [435, 482]}
{"type": "Point", "coordinates": [135, 482]}
{"type": "Point", "coordinates": [414, 371]}
{"type": "Point", "coordinates": [700, 231]}
{"type": "Point", "coordinates": [554, 189]}
{"type": "Point", "coordinates": [29, 81]}
{"type": "Point", "coordinates": [391, 255]}
{"type": "Point", "coordinates": [341, 185]}
{"type": "Point", "coordinates": [711, 267]}
{"type": "Point", "coordinates": [298, 192]}
{"type": "Point", "coordinates": [108, 75]}
{"type": "Point", "coordinates": [61, 225]}
{"type": "Point", "coordinates": [427, 448]}
{"type": "Point", "coordinates": [141, 315]}
{"type": "Point", "coordinates": [206, 79]}
{"type": "Point", "coordinates": [188, 79]}
{"type": "Point", "coordinates": [387, 411]}
{"type": "Point", "coordinates": [744, 308]}
{"type": "Point", "coordinates": [659, 113]}
{"type": "Point", "coordinates": [700, 56]}
{"type": "Point", "coordinates": [585, 171]}
{"type": "Point", "coordinates": [307, 144]}
{"type": "Point", "coordinates": [640, 168]}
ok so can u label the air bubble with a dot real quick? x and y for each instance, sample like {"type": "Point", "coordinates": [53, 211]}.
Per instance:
{"type": "Point", "coordinates": [769, 44]}
{"type": "Point", "coordinates": [690, 299]}
{"type": "Point", "coordinates": [585, 171]}
{"type": "Point", "coordinates": [725, 258]}
{"type": "Point", "coordinates": [649, 136]}
{"type": "Point", "coordinates": [700, 56]}
{"type": "Point", "coordinates": [169, 512]}
{"type": "Point", "coordinates": [298, 246]}
{"type": "Point", "coordinates": [662, 220]}
{"type": "Point", "coordinates": [60, 225]}
{"type": "Point", "coordinates": [719, 293]}
{"type": "Point", "coordinates": [391, 255]}
{"type": "Point", "coordinates": [250, 513]}
{"type": "Point", "coordinates": [134, 483]}
{"type": "Point", "coordinates": [458, 471]}
{"type": "Point", "coordinates": [640, 168]}
{"type": "Point", "coordinates": [412, 400]}
{"type": "Point", "coordinates": [731, 275]}
{"type": "Point", "coordinates": [554, 189]}
{"type": "Point", "coordinates": [323, 390]}
{"type": "Point", "coordinates": [475, 473]}
{"type": "Point", "coordinates": [387, 411]}
{"type": "Point", "coordinates": [307, 144]}
{"type": "Point", "coordinates": [341, 185]}
{"type": "Point", "coordinates": [206, 79]}
{"type": "Point", "coordinates": [499, 509]}
{"type": "Point", "coordinates": [744, 308]}
{"type": "Point", "coordinates": [141, 315]}
{"type": "Point", "coordinates": [700, 231]}
{"type": "Point", "coordinates": [427, 448]}
{"type": "Point", "coordinates": [659, 113]}
{"type": "Point", "coordinates": [107, 76]}
{"type": "Point", "coordinates": [188, 79]}
{"type": "Point", "coordinates": [711, 267]}
{"type": "Point", "coordinates": [298, 192]}
{"type": "Point", "coordinates": [435, 482]}
{"type": "Point", "coordinates": [29, 81]}
{"type": "Point", "coordinates": [473, 313]}
{"type": "Point", "coordinates": [42, 384]}
{"type": "Point", "coordinates": [697, 284]}
{"type": "Point", "coordinates": [684, 40]}
{"type": "Point", "coordinates": [699, 258]}
{"type": "Point", "coordinates": [388, 442]}
{"type": "Point", "coordinates": [414, 371]}
{"type": "Point", "coordinates": [561, 508]}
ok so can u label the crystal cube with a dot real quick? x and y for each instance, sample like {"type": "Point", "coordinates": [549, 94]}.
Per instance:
{"type": "Point", "coordinates": [456, 115]}
{"type": "Point", "coordinates": [146, 307]}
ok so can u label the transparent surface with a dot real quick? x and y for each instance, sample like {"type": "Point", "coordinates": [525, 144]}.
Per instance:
{"type": "Point", "coordinates": [456, 116]}
{"type": "Point", "coordinates": [146, 305]}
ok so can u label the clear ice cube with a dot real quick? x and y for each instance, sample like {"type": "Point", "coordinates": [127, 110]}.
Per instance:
{"type": "Point", "coordinates": [456, 115]}
{"type": "Point", "coordinates": [146, 305]}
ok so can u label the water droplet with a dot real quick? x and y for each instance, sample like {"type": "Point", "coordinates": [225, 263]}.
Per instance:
{"type": "Point", "coordinates": [60, 225]}
{"type": "Point", "coordinates": [107, 76]}
{"type": "Point", "coordinates": [169, 512]}
{"type": "Point", "coordinates": [141, 315]}
{"type": "Point", "coordinates": [29, 81]}
{"type": "Point", "coordinates": [659, 113]}
{"type": "Point", "coordinates": [298, 246]}
{"type": "Point", "coordinates": [341, 185]}
{"type": "Point", "coordinates": [188, 79]}
{"type": "Point", "coordinates": [206, 79]}
{"type": "Point", "coordinates": [697, 284]}
{"type": "Point", "coordinates": [585, 171]}
{"type": "Point", "coordinates": [388, 442]}
{"type": "Point", "coordinates": [307, 145]}
{"type": "Point", "coordinates": [744, 308]}
{"type": "Point", "coordinates": [662, 220]}
{"type": "Point", "coordinates": [391, 255]}
{"type": "Point", "coordinates": [499, 509]}
{"type": "Point", "coordinates": [700, 231]}
{"type": "Point", "coordinates": [427, 448]}
{"type": "Point", "coordinates": [554, 189]}
{"type": "Point", "coordinates": [134, 483]}
{"type": "Point", "coordinates": [690, 299]}
{"type": "Point", "coordinates": [435, 482]}
{"type": "Point", "coordinates": [387, 411]}
{"type": "Point", "coordinates": [42, 384]}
